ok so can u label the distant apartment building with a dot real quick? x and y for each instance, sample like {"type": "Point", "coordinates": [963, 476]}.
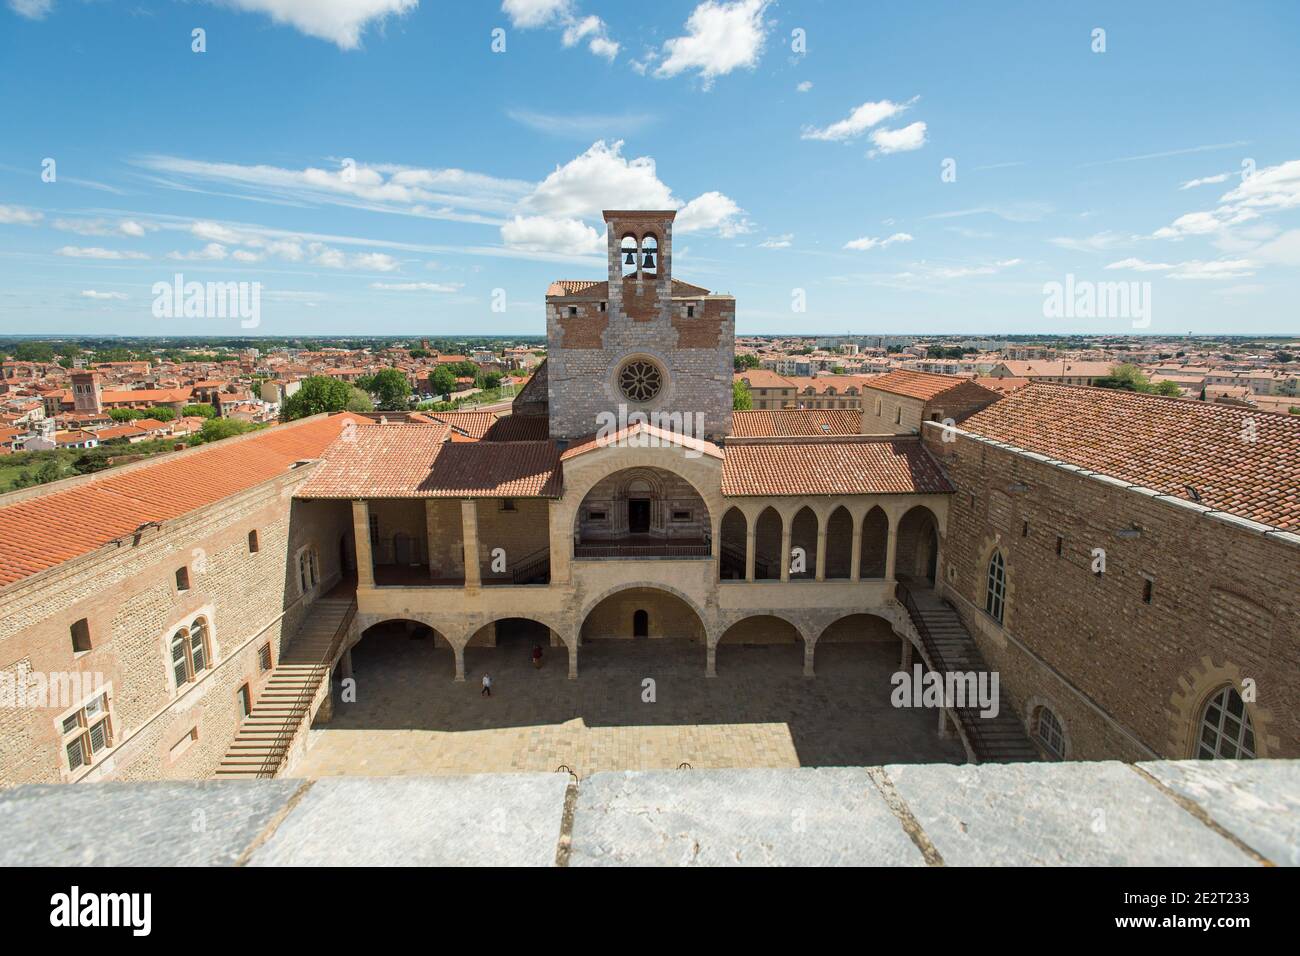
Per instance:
{"type": "Point", "coordinates": [1061, 371]}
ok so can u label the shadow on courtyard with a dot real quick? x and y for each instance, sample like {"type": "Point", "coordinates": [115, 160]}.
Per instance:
{"type": "Point", "coordinates": [842, 717]}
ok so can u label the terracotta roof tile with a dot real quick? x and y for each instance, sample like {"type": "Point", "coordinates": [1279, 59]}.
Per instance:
{"type": "Point", "coordinates": [640, 435]}
{"type": "Point", "coordinates": [59, 524]}
{"type": "Point", "coordinates": [1165, 444]}
{"type": "Point", "coordinates": [858, 465]}
{"type": "Point", "coordinates": [469, 424]}
{"type": "Point", "coordinates": [922, 385]}
{"type": "Point", "coordinates": [519, 428]}
{"type": "Point", "coordinates": [794, 422]}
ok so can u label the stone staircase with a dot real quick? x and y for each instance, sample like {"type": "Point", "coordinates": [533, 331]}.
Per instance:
{"type": "Point", "coordinates": [949, 647]}
{"type": "Point", "coordinates": [264, 738]}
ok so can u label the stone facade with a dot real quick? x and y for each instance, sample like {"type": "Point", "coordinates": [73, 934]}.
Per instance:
{"type": "Point", "coordinates": [1127, 658]}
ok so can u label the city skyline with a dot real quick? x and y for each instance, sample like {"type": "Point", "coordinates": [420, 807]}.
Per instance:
{"type": "Point", "coordinates": [891, 173]}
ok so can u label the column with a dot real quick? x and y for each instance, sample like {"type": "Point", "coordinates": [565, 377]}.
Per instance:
{"type": "Point", "coordinates": [943, 723]}
{"type": "Point", "coordinates": [855, 560]}
{"type": "Point", "coordinates": [905, 660]}
{"type": "Point", "coordinates": [573, 659]}
{"type": "Point", "coordinates": [786, 531]}
{"type": "Point", "coordinates": [711, 659]}
{"type": "Point", "coordinates": [891, 549]}
{"type": "Point", "coordinates": [459, 651]}
{"type": "Point", "coordinates": [809, 647]}
{"type": "Point", "coordinates": [821, 547]}
{"type": "Point", "coordinates": [469, 535]}
{"type": "Point", "coordinates": [361, 535]}
{"type": "Point", "coordinates": [347, 664]}
{"type": "Point", "coordinates": [751, 548]}
{"type": "Point", "coordinates": [432, 533]}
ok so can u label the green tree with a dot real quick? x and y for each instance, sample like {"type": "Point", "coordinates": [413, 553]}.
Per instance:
{"type": "Point", "coordinates": [442, 381]}
{"type": "Point", "coordinates": [1167, 388]}
{"type": "Point", "coordinates": [215, 429]}
{"type": "Point", "coordinates": [317, 394]}
{"type": "Point", "coordinates": [34, 352]}
{"type": "Point", "coordinates": [390, 388]}
{"type": "Point", "coordinates": [741, 399]}
{"type": "Point", "coordinates": [1126, 378]}
{"type": "Point", "coordinates": [201, 410]}
{"type": "Point", "coordinates": [125, 414]}
{"type": "Point", "coordinates": [359, 401]}
{"type": "Point", "coordinates": [744, 362]}
{"type": "Point", "coordinates": [492, 380]}
{"type": "Point", "coordinates": [50, 471]}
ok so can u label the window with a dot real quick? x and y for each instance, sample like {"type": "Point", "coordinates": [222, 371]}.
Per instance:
{"type": "Point", "coordinates": [995, 593]}
{"type": "Point", "coordinates": [374, 529]}
{"type": "Point", "coordinates": [307, 571]}
{"type": "Point", "coordinates": [264, 657]}
{"type": "Point", "coordinates": [898, 415]}
{"type": "Point", "coordinates": [573, 310]}
{"type": "Point", "coordinates": [1024, 530]}
{"type": "Point", "coordinates": [246, 699]}
{"type": "Point", "coordinates": [602, 306]}
{"type": "Point", "coordinates": [690, 311]}
{"type": "Point", "coordinates": [254, 544]}
{"type": "Point", "coordinates": [80, 636]}
{"type": "Point", "coordinates": [87, 733]}
{"type": "Point", "coordinates": [182, 579]}
{"type": "Point", "coordinates": [1148, 589]}
{"type": "Point", "coordinates": [596, 516]}
{"type": "Point", "coordinates": [640, 381]}
{"type": "Point", "coordinates": [682, 515]}
{"type": "Point", "coordinates": [1060, 546]}
{"type": "Point", "coordinates": [878, 407]}
{"type": "Point", "coordinates": [1226, 729]}
{"type": "Point", "coordinates": [190, 652]}
{"type": "Point", "coordinates": [508, 504]}
{"type": "Point", "coordinates": [1049, 733]}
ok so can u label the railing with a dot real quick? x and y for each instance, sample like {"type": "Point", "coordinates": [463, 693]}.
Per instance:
{"type": "Point", "coordinates": [280, 746]}
{"type": "Point", "coordinates": [616, 550]}
{"type": "Point", "coordinates": [532, 567]}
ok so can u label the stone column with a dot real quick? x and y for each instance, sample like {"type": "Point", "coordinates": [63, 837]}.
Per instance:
{"type": "Point", "coordinates": [431, 537]}
{"type": "Point", "coordinates": [855, 560]}
{"type": "Point", "coordinates": [821, 548]}
{"type": "Point", "coordinates": [787, 531]}
{"type": "Point", "coordinates": [347, 664]}
{"type": "Point", "coordinates": [905, 660]}
{"type": "Point", "coordinates": [711, 660]}
{"type": "Point", "coordinates": [469, 535]}
{"type": "Point", "coordinates": [573, 659]}
{"type": "Point", "coordinates": [751, 549]}
{"type": "Point", "coordinates": [809, 647]}
{"type": "Point", "coordinates": [891, 549]}
{"type": "Point", "coordinates": [361, 535]}
{"type": "Point", "coordinates": [459, 651]}
{"type": "Point", "coordinates": [943, 723]}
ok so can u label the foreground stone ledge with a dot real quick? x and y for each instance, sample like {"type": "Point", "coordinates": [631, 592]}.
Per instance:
{"type": "Point", "coordinates": [1217, 813]}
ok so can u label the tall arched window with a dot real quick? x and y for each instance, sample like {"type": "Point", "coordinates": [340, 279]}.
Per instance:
{"type": "Point", "coordinates": [1049, 732]}
{"type": "Point", "coordinates": [189, 648]}
{"type": "Point", "coordinates": [995, 592]}
{"type": "Point", "coordinates": [1226, 730]}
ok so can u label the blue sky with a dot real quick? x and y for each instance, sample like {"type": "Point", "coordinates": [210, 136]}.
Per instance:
{"type": "Point", "coordinates": [1171, 158]}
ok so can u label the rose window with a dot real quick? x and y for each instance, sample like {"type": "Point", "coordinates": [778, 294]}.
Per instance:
{"type": "Point", "coordinates": [640, 381]}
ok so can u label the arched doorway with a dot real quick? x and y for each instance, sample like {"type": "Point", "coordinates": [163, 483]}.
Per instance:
{"type": "Point", "coordinates": [839, 544]}
{"type": "Point", "coordinates": [642, 512]}
{"type": "Point", "coordinates": [389, 649]}
{"type": "Point", "coordinates": [767, 546]}
{"type": "Point", "coordinates": [637, 613]}
{"type": "Point", "coordinates": [875, 544]}
{"type": "Point", "coordinates": [917, 557]}
{"type": "Point", "coordinates": [732, 548]}
{"type": "Point", "coordinates": [763, 640]}
{"type": "Point", "coordinates": [640, 623]}
{"type": "Point", "coordinates": [803, 536]}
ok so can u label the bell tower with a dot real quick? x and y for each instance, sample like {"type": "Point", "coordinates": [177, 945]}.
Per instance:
{"type": "Point", "coordinates": [640, 342]}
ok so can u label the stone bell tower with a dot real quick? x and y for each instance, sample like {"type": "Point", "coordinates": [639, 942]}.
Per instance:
{"type": "Point", "coordinates": [641, 341]}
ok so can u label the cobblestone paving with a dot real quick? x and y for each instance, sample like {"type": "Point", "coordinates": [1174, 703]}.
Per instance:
{"type": "Point", "coordinates": [411, 718]}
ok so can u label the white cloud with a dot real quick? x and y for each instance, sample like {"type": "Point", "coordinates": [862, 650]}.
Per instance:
{"type": "Point", "coordinates": [898, 140]}
{"type": "Point", "coordinates": [720, 37]}
{"type": "Point", "coordinates": [92, 294]}
{"type": "Point", "coordinates": [1097, 242]}
{"type": "Point", "coordinates": [339, 21]}
{"type": "Point", "coordinates": [377, 261]}
{"type": "Point", "coordinates": [711, 212]}
{"type": "Point", "coordinates": [1274, 187]}
{"type": "Point", "coordinates": [17, 215]}
{"type": "Point", "coordinates": [104, 227]}
{"type": "Point", "coordinates": [867, 242]}
{"type": "Point", "coordinates": [214, 232]}
{"type": "Point", "coordinates": [1192, 269]}
{"type": "Point", "coordinates": [1193, 183]}
{"type": "Point", "coordinates": [416, 286]}
{"type": "Point", "coordinates": [859, 121]}
{"type": "Point", "coordinates": [32, 9]}
{"type": "Point", "coordinates": [805, 86]}
{"type": "Point", "coordinates": [549, 234]}
{"type": "Point", "coordinates": [531, 14]}
{"type": "Point", "coordinates": [96, 252]}
{"type": "Point", "coordinates": [212, 252]}
{"type": "Point", "coordinates": [243, 255]}
{"type": "Point", "coordinates": [587, 126]}
{"type": "Point", "coordinates": [778, 242]}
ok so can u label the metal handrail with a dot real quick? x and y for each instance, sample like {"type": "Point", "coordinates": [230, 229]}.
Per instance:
{"type": "Point", "coordinates": [272, 762]}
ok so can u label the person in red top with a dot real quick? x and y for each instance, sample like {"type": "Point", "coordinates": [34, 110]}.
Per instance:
{"type": "Point", "coordinates": [537, 655]}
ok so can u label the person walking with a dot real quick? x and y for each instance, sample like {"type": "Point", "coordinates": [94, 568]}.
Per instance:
{"type": "Point", "coordinates": [537, 655]}
{"type": "Point", "coordinates": [487, 686]}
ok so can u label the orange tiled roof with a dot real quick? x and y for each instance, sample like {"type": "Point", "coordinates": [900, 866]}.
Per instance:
{"type": "Point", "coordinates": [1165, 444]}
{"type": "Point", "coordinates": [416, 461]}
{"type": "Point", "coordinates": [470, 424]}
{"type": "Point", "coordinates": [858, 465]}
{"type": "Point", "coordinates": [1004, 385]}
{"type": "Point", "coordinates": [922, 385]}
{"type": "Point", "coordinates": [519, 428]}
{"type": "Point", "coordinates": [794, 422]}
{"type": "Point", "coordinates": [594, 288]}
{"type": "Point", "coordinates": [60, 524]}
{"type": "Point", "coordinates": [640, 435]}
{"type": "Point", "coordinates": [764, 378]}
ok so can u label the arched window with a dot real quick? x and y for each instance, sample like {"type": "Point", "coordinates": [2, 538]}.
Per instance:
{"type": "Point", "coordinates": [1049, 732]}
{"type": "Point", "coordinates": [995, 592]}
{"type": "Point", "coordinates": [1226, 730]}
{"type": "Point", "coordinates": [641, 624]}
{"type": "Point", "coordinates": [189, 649]}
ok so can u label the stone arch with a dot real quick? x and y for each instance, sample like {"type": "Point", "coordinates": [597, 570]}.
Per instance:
{"type": "Point", "coordinates": [917, 545]}
{"type": "Point", "coordinates": [732, 544]}
{"type": "Point", "coordinates": [629, 268]}
{"type": "Point", "coordinates": [400, 627]}
{"type": "Point", "coordinates": [767, 545]}
{"type": "Point", "coordinates": [874, 547]}
{"type": "Point", "coordinates": [650, 244]}
{"type": "Point", "coordinates": [642, 501]}
{"type": "Point", "coordinates": [857, 627]}
{"type": "Point", "coordinates": [1195, 689]}
{"type": "Point", "coordinates": [765, 629]}
{"type": "Point", "coordinates": [803, 534]}
{"type": "Point", "coordinates": [656, 623]}
{"type": "Point", "coordinates": [839, 544]}
{"type": "Point", "coordinates": [1034, 708]}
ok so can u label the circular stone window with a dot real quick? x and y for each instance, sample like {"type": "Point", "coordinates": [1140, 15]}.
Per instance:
{"type": "Point", "coordinates": [640, 381]}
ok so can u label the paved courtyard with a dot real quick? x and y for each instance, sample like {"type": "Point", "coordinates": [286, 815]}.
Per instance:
{"type": "Point", "coordinates": [410, 717]}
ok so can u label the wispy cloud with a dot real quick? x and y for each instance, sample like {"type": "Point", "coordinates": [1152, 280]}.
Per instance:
{"type": "Point", "coordinates": [1212, 147]}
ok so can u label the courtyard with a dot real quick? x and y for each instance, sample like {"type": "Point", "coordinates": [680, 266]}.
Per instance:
{"type": "Point", "coordinates": [410, 717]}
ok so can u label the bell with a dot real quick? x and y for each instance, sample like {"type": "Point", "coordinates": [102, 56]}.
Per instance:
{"type": "Point", "coordinates": [631, 258]}
{"type": "Point", "coordinates": [649, 261]}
